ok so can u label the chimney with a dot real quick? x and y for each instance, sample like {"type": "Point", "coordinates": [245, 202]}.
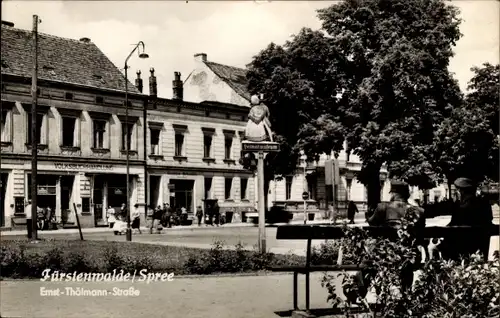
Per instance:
{"type": "Point", "coordinates": [200, 57]}
{"type": "Point", "coordinates": [153, 90]}
{"type": "Point", "coordinates": [7, 23]}
{"type": "Point", "coordinates": [177, 87]}
{"type": "Point", "coordinates": [85, 40]}
{"type": "Point", "coordinates": [138, 81]}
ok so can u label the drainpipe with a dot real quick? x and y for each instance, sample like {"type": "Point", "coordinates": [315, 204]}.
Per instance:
{"type": "Point", "coordinates": [144, 136]}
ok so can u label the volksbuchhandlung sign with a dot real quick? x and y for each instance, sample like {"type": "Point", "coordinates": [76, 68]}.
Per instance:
{"type": "Point", "coordinates": [83, 166]}
{"type": "Point", "coordinates": [260, 146]}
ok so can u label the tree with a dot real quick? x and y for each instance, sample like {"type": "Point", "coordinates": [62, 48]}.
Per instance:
{"type": "Point", "coordinates": [467, 144]}
{"type": "Point", "coordinates": [388, 59]}
{"type": "Point", "coordinates": [484, 89]}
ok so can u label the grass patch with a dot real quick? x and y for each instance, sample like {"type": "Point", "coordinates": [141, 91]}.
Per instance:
{"type": "Point", "coordinates": [22, 259]}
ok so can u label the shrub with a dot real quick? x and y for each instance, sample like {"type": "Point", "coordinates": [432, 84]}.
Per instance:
{"type": "Point", "coordinates": [443, 289]}
{"type": "Point", "coordinates": [77, 261]}
{"type": "Point", "coordinates": [54, 259]}
{"type": "Point", "coordinates": [111, 259]}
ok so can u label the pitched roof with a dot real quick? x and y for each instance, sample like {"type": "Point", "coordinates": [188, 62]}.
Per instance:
{"type": "Point", "coordinates": [60, 59]}
{"type": "Point", "coordinates": [233, 76]}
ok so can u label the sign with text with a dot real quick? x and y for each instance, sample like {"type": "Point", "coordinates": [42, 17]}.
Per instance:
{"type": "Point", "coordinates": [260, 146]}
{"type": "Point", "coordinates": [83, 166]}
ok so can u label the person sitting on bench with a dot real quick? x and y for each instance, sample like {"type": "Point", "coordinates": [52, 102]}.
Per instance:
{"type": "Point", "coordinates": [392, 213]}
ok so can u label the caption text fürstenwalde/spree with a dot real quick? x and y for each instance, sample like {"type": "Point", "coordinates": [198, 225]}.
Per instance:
{"type": "Point", "coordinates": [115, 276]}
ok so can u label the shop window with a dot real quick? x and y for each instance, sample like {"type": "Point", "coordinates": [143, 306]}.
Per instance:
{"type": "Point", "coordinates": [99, 133]}
{"type": "Point", "coordinates": [228, 187]}
{"type": "Point", "coordinates": [288, 186]}
{"type": "Point", "coordinates": [41, 128]}
{"type": "Point", "coordinates": [46, 186]}
{"type": "Point", "coordinates": [207, 146]}
{"type": "Point", "coordinates": [243, 188]}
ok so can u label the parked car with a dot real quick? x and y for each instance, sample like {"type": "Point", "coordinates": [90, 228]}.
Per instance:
{"type": "Point", "coordinates": [278, 214]}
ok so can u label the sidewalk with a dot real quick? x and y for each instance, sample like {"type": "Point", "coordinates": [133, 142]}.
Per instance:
{"type": "Point", "coordinates": [143, 228]}
{"type": "Point", "coordinates": [175, 228]}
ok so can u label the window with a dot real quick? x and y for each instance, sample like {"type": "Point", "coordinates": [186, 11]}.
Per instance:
{"type": "Point", "coordinates": [179, 144]}
{"type": "Point", "coordinates": [99, 133]}
{"type": "Point", "coordinates": [180, 131]}
{"type": "Point", "coordinates": [228, 186]}
{"type": "Point", "coordinates": [208, 188]}
{"type": "Point", "coordinates": [312, 186]}
{"type": "Point", "coordinates": [228, 144]}
{"type": "Point", "coordinates": [288, 181]}
{"type": "Point", "coordinates": [207, 145]}
{"type": "Point", "coordinates": [243, 188]}
{"type": "Point", "coordinates": [40, 125]}
{"type": "Point", "coordinates": [155, 141]}
{"type": "Point", "coordinates": [6, 125]}
{"type": "Point", "coordinates": [127, 131]}
{"type": "Point", "coordinates": [69, 131]}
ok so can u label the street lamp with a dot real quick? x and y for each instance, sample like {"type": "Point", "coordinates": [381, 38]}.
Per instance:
{"type": "Point", "coordinates": [142, 55]}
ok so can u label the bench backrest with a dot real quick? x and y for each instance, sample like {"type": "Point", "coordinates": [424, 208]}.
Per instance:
{"type": "Point", "coordinates": [325, 232]}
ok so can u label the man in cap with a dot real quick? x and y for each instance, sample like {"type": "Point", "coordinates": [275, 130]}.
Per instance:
{"type": "Point", "coordinates": [392, 213]}
{"type": "Point", "coordinates": [470, 211]}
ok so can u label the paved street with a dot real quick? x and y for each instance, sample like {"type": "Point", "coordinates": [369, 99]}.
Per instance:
{"type": "Point", "coordinates": [204, 237]}
{"type": "Point", "coordinates": [222, 297]}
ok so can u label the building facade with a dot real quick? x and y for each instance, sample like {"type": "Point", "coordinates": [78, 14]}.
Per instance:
{"type": "Point", "coordinates": [193, 153]}
{"type": "Point", "coordinates": [179, 152]}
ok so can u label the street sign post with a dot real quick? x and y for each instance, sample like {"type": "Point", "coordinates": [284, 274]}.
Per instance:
{"type": "Point", "coordinates": [261, 149]}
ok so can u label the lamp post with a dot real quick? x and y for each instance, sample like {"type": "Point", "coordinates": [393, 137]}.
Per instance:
{"type": "Point", "coordinates": [127, 141]}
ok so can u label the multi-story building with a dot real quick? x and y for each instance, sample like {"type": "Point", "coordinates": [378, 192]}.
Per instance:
{"type": "Point", "coordinates": [80, 129]}
{"type": "Point", "coordinates": [193, 152]}
{"type": "Point", "coordinates": [188, 151]}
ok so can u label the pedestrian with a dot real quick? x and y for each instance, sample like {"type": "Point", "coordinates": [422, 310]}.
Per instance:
{"type": "Point", "coordinates": [184, 216]}
{"type": "Point", "coordinates": [352, 209]}
{"type": "Point", "coordinates": [136, 219]}
{"type": "Point", "coordinates": [123, 212]}
{"type": "Point", "coordinates": [333, 214]}
{"type": "Point", "coordinates": [157, 219]}
{"type": "Point", "coordinates": [199, 214]}
{"type": "Point", "coordinates": [216, 212]}
{"type": "Point", "coordinates": [169, 214]}
{"type": "Point", "coordinates": [471, 210]}
{"type": "Point", "coordinates": [110, 213]}
{"type": "Point", "coordinates": [29, 219]}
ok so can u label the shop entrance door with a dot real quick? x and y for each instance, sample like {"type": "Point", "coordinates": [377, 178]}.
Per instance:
{"type": "Point", "coordinates": [3, 189]}
{"type": "Point", "coordinates": [98, 201]}
{"type": "Point", "coordinates": [183, 195]}
{"type": "Point", "coordinates": [154, 191]}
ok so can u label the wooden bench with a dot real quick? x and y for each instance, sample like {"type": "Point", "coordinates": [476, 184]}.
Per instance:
{"type": "Point", "coordinates": [328, 232]}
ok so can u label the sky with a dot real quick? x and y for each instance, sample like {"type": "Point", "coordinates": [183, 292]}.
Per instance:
{"type": "Point", "coordinates": [229, 32]}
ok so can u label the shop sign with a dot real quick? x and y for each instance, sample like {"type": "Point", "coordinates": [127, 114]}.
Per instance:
{"type": "Point", "coordinates": [83, 166]}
